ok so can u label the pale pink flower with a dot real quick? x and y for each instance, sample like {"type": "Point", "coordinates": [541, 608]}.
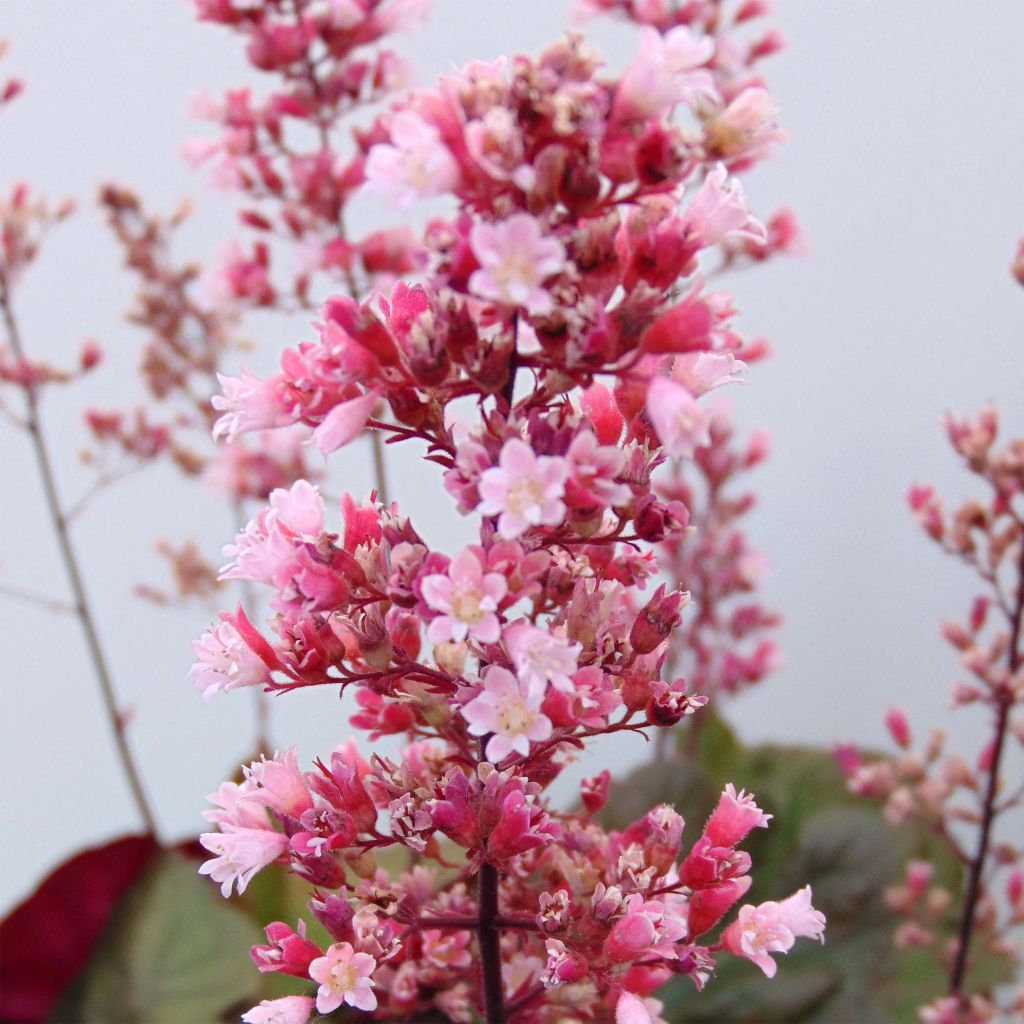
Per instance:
{"type": "Point", "coordinates": [287, 1010]}
{"type": "Point", "coordinates": [241, 853]}
{"type": "Point", "coordinates": [345, 976]}
{"type": "Point", "coordinates": [747, 128]}
{"type": "Point", "coordinates": [701, 372]}
{"type": "Point", "coordinates": [468, 599]}
{"type": "Point", "coordinates": [281, 784]}
{"type": "Point", "coordinates": [299, 509]}
{"type": "Point", "coordinates": [415, 165]}
{"type": "Point", "coordinates": [719, 211]}
{"type": "Point", "coordinates": [248, 403]}
{"type": "Point", "coordinates": [524, 489]}
{"type": "Point", "coordinates": [225, 662]}
{"type": "Point", "coordinates": [233, 804]}
{"type": "Point", "coordinates": [593, 468]}
{"type": "Point", "coordinates": [666, 71]}
{"type": "Point", "coordinates": [516, 258]}
{"type": "Point", "coordinates": [446, 949]}
{"type": "Point", "coordinates": [773, 928]}
{"type": "Point", "coordinates": [344, 423]}
{"type": "Point", "coordinates": [682, 425]}
{"type": "Point", "coordinates": [510, 711]}
{"type": "Point", "coordinates": [631, 1009]}
{"type": "Point", "coordinates": [542, 657]}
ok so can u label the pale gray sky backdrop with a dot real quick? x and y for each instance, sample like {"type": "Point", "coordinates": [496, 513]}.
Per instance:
{"type": "Point", "coordinates": [906, 167]}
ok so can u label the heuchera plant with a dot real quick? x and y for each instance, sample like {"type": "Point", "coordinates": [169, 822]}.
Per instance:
{"type": "Point", "coordinates": [551, 356]}
{"type": "Point", "coordinates": [971, 805]}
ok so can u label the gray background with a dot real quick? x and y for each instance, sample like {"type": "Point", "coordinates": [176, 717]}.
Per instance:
{"type": "Point", "coordinates": [905, 167]}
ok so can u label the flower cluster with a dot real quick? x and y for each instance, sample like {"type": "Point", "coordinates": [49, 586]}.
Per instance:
{"type": "Point", "coordinates": [562, 302]}
{"type": "Point", "coordinates": [968, 803]}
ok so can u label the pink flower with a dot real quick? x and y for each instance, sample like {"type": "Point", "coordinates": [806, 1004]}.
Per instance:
{"type": "Point", "coordinates": [524, 489]}
{"type": "Point", "coordinates": [510, 711]}
{"type": "Point", "coordinates": [734, 817]}
{"type": "Point", "coordinates": [287, 1010]}
{"type": "Point", "coordinates": [224, 662]}
{"type": "Point", "coordinates": [542, 657]}
{"type": "Point", "coordinates": [516, 258]}
{"type": "Point", "coordinates": [666, 71]}
{"type": "Point", "coordinates": [345, 976]}
{"type": "Point", "coordinates": [682, 425]}
{"type": "Point", "coordinates": [446, 949]}
{"type": "Point", "coordinates": [241, 853]}
{"type": "Point", "coordinates": [631, 1009]}
{"type": "Point", "coordinates": [593, 469]}
{"type": "Point", "coordinates": [746, 129]}
{"type": "Point", "coordinates": [281, 785]}
{"type": "Point", "coordinates": [719, 211]}
{"type": "Point", "coordinates": [773, 928]}
{"type": "Point", "coordinates": [416, 164]}
{"type": "Point", "coordinates": [467, 597]}
{"type": "Point", "coordinates": [701, 372]}
{"type": "Point", "coordinates": [248, 403]}
{"type": "Point", "coordinates": [344, 423]}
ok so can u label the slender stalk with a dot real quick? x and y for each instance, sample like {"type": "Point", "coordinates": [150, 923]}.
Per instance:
{"type": "Point", "coordinates": [988, 811]}
{"type": "Point", "coordinates": [379, 469]}
{"type": "Point", "coordinates": [489, 935]}
{"type": "Point", "coordinates": [82, 608]}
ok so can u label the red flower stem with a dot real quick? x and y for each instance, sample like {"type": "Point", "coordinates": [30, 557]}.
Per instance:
{"type": "Point", "coordinates": [82, 608]}
{"type": "Point", "coordinates": [1004, 700]}
{"type": "Point", "coordinates": [489, 935]}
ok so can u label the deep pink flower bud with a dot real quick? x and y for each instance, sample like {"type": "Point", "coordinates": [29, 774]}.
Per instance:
{"type": "Point", "coordinates": [707, 906]}
{"type": "Point", "coordinates": [335, 913]}
{"type": "Point", "coordinates": [287, 951]}
{"type": "Point", "coordinates": [654, 520]}
{"type": "Point", "coordinates": [594, 791]}
{"type": "Point", "coordinates": [656, 620]}
{"type": "Point", "coordinates": [632, 936]}
{"type": "Point", "coordinates": [899, 730]}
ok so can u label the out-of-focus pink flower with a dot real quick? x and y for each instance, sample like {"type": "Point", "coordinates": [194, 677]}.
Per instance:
{"type": "Point", "coordinates": [345, 976]}
{"type": "Point", "coordinates": [344, 423]}
{"type": "Point", "coordinates": [516, 258]}
{"type": "Point", "coordinates": [287, 1010]}
{"type": "Point", "coordinates": [631, 1009]}
{"type": "Point", "coordinates": [416, 163]}
{"type": "Point", "coordinates": [701, 372]}
{"type": "Point", "coordinates": [746, 129]}
{"type": "Point", "coordinates": [681, 423]}
{"type": "Point", "coordinates": [510, 711]}
{"type": "Point", "coordinates": [524, 489]}
{"type": "Point", "coordinates": [468, 599]}
{"type": "Point", "coordinates": [774, 928]}
{"type": "Point", "coordinates": [666, 71]}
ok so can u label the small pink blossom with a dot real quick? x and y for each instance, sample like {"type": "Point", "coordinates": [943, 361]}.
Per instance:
{"type": "Point", "coordinates": [415, 165]}
{"type": "Point", "coordinates": [719, 211]}
{"type": "Point", "coordinates": [241, 853]}
{"type": "Point", "coordinates": [446, 949]}
{"type": "Point", "coordinates": [467, 597]}
{"type": "Point", "coordinates": [734, 817]}
{"type": "Point", "coordinates": [631, 1009]}
{"type": "Point", "coordinates": [701, 372]}
{"type": "Point", "coordinates": [248, 403]}
{"type": "Point", "coordinates": [516, 258]}
{"type": "Point", "coordinates": [510, 711]}
{"type": "Point", "coordinates": [224, 662]}
{"type": "Point", "coordinates": [666, 71]}
{"type": "Point", "coordinates": [593, 469]}
{"type": "Point", "coordinates": [774, 928]}
{"type": "Point", "coordinates": [287, 1010]}
{"type": "Point", "coordinates": [524, 489]}
{"type": "Point", "coordinates": [344, 423]}
{"type": "Point", "coordinates": [345, 976]}
{"type": "Point", "coordinates": [542, 657]}
{"type": "Point", "coordinates": [682, 425]}
{"type": "Point", "coordinates": [746, 129]}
